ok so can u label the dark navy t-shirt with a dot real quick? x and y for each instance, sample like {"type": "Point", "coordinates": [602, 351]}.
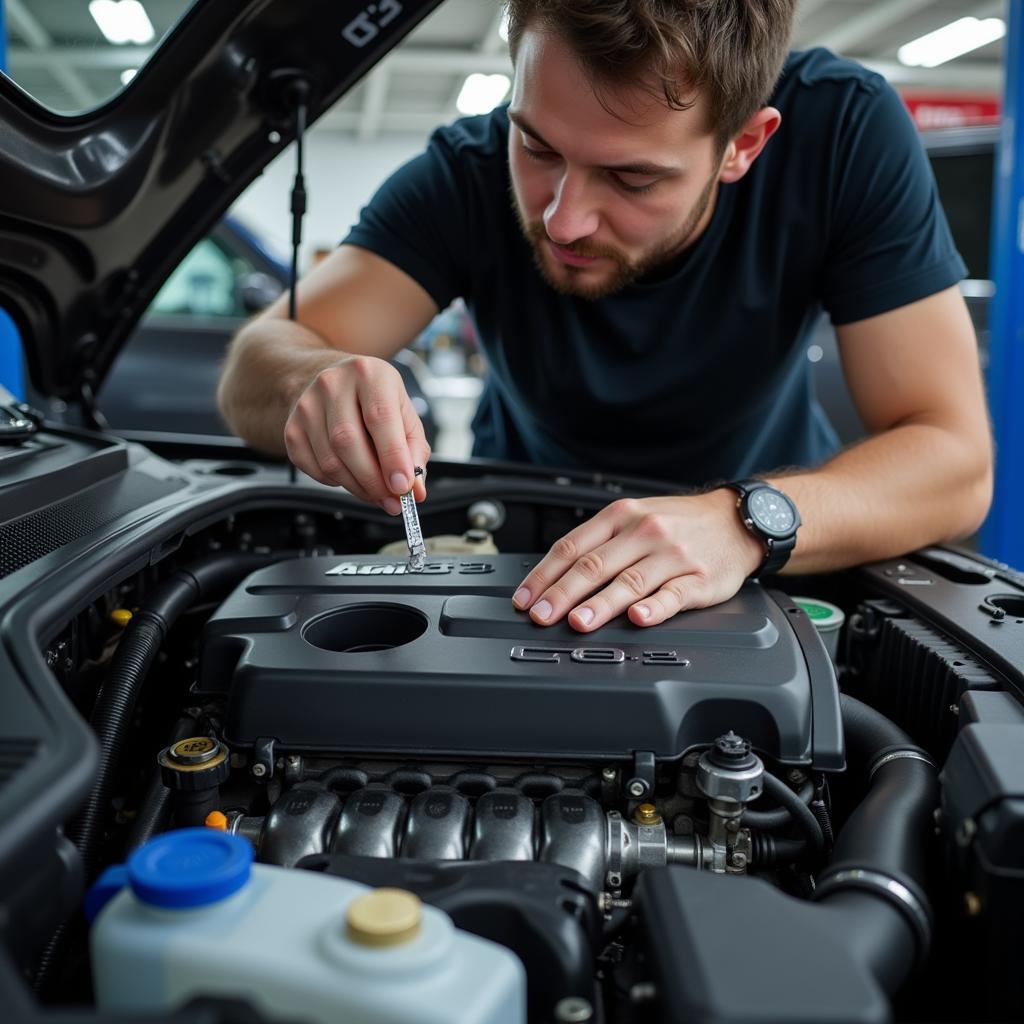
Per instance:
{"type": "Point", "coordinates": [699, 372]}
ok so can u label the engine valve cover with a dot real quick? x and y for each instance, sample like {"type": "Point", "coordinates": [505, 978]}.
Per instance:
{"type": "Point", "coordinates": [361, 654]}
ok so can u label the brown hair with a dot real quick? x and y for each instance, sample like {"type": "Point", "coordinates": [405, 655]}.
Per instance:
{"type": "Point", "coordinates": [732, 51]}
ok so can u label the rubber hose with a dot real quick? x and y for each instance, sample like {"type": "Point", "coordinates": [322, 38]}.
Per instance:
{"type": "Point", "coordinates": [885, 828]}
{"type": "Point", "coordinates": [153, 811]}
{"type": "Point", "coordinates": [135, 654]}
{"type": "Point", "coordinates": [801, 813]}
{"type": "Point", "coordinates": [767, 851]}
{"type": "Point", "coordinates": [888, 835]}
{"type": "Point", "coordinates": [876, 934]}
{"type": "Point", "coordinates": [868, 732]}
{"type": "Point", "coordinates": [139, 646]}
{"type": "Point", "coordinates": [778, 817]}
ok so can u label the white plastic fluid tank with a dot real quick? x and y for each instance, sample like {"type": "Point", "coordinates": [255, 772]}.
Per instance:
{"type": "Point", "coordinates": [192, 915]}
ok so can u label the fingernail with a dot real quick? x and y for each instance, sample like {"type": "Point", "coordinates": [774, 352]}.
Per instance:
{"type": "Point", "coordinates": [585, 615]}
{"type": "Point", "coordinates": [542, 609]}
{"type": "Point", "coordinates": [521, 597]}
{"type": "Point", "coordinates": [398, 483]}
{"type": "Point", "coordinates": [642, 610]}
{"type": "Point", "coordinates": [392, 506]}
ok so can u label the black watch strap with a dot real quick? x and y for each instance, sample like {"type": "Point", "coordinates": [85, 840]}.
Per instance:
{"type": "Point", "coordinates": [777, 549]}
{"type": "Point", "coordinates": [778, 554]}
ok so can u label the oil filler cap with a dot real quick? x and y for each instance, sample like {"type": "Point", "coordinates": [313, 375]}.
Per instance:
{"type": "Point", "coordinates": [190, 868]}
{"type": "Point", "coordinates": [384, 917]}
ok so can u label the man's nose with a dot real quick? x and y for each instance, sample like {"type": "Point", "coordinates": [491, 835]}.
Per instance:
{"type": "Point", "coordinates": [571, 215]}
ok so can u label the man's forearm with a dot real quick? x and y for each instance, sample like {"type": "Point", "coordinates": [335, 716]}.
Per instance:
{"type": "Point", "coordinates": [268, 365]}
{"type": "Point", "coordinates": [910, 486]}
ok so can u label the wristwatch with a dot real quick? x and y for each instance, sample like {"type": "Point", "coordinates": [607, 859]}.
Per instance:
{"type": "Point", "coordinates": [771, 516]}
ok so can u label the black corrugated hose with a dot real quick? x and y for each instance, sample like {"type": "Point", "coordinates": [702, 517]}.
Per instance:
{"type": "Point", "coordinates": [142, 640]}
{"type": "Point", "coordinates": [143, 637]}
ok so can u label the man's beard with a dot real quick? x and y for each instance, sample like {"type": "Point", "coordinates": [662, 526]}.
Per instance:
{"type": "Point", "coordinates": [570, 280]}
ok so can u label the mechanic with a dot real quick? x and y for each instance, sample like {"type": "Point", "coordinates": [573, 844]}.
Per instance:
{"type": "Point", "coordinates": [685, 200]}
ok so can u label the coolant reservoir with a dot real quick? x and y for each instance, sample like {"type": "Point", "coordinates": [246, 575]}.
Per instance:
{"type": "Point", "coordinates": [197, 917]}
{"type": "Point", "coordinates": [472, 542]}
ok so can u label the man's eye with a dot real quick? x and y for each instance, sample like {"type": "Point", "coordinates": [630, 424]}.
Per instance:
{"type": "Point", "coordinates": [630, 187]}
{"type": "Point", "coordinates": [538, 154]}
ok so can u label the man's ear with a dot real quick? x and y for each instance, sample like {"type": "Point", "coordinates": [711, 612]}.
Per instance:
{"type": "Point", "coordinates": [743, 149]}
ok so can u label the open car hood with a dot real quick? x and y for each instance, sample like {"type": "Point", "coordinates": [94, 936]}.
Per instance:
{"type": "Point", "coordinates": [100, 207]}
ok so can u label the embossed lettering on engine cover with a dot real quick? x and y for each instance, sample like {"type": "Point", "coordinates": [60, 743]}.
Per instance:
{"type": "Point", "coordinates": [402, 569]}
{"type": "Point", "coordinates": [597, 655]}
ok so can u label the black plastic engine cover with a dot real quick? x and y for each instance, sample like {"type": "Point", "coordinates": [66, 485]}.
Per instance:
{"type": "Point", "coordinates": [361, 655]}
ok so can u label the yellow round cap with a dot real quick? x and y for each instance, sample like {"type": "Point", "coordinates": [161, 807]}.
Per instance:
{"type": "Point", "coordinates": [384, 917]}
{"type": "Point", "coordinates": [120, 617]}
{"type": "Point", "coordinates": [217, 820]}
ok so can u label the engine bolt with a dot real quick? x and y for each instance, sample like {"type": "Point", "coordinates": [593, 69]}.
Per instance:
{"type": "Point", "coordinates": [573, 1010]}
{"type": "Point", "coordinates": [608, 774]}
{"type": "Point", "coordinates": [647, 814]}
{"type": "Point", "coordinates": [739, 860]}
{"type": "Point", "coordinates": [637, 788]}
{"type": "Point", "coordinates": [259, 770]}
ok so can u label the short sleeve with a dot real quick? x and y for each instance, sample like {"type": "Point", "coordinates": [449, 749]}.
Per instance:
{"type": "Point", "coordinates": [889, 242]}
{"type": "Point", "coordinates": [418, 221]}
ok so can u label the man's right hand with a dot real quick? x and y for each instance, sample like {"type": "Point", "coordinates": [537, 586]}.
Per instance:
{"type": "Point", "coordinates": [355, 426]}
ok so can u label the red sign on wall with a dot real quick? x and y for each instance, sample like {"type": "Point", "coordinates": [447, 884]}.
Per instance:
{"type": "Point", "coordinates": [951, 110]}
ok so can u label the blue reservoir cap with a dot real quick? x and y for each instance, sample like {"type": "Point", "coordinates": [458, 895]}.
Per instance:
{"type": "Point", "coordinates": [189, 868]}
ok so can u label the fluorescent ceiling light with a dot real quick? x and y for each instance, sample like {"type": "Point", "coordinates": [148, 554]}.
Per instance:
{"type": "Point", "coordinates": [128, 74]}
{"type": "Point", "coordinates": [480, 94]}
{"type": "Point", "coordinates": [122, 21]}
{"type": "Point", "coordinates": [951, 41]}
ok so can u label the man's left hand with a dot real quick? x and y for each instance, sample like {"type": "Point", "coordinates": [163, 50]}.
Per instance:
{"type": "Point", "coordinates": [652, 556]}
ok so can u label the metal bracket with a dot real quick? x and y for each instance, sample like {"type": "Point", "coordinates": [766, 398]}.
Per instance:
{"type": "Point", "coordinates": [641, 784]}
{"type": "Point", "coordinates": [262, 766]}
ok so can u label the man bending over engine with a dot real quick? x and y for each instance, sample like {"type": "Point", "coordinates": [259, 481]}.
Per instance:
{"type": "Point", "coordinates": [644, 237]}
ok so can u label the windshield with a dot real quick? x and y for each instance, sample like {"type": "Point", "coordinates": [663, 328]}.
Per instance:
{"type": "Point", "coordinates": [73, 55]}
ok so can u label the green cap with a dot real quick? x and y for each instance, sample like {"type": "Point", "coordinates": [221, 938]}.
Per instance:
{"type": "Point", "coordinates": [821, 613]}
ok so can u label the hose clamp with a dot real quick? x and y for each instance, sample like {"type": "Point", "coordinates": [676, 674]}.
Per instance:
{"type": "Point", "coordinates": [898, 755]}
{"type": "Point", "coordinates": [891, 889]}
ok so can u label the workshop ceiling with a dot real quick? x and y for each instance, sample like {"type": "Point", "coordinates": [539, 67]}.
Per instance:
{"type": "Point", "coordinates": [57, 53]}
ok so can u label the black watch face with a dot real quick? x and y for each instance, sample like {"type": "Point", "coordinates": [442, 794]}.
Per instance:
{"type": "Point", "coordinates": [771, 512]}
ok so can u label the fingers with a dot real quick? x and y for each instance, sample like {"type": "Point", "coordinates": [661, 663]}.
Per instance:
{"type": "Point", "coordinates": [652, 557]}
{"type": "Point", "coordinates": [674, 596]}
{"type": "Point", "coordinates": [533, 592]}
{"type": "Point", "coordinates": [381, 400]}
{"type": "Point", "coordinates": [634, 582]}
{"type": "Point", "coordinates": [354, 426]}
{"type": "Point", "coordinates": [418, 446]}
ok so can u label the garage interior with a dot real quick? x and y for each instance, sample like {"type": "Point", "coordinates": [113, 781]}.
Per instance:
{"type": "Point", "coordinates": [208, 641]}
{"type": "Point", "coordinates": [456, 63]}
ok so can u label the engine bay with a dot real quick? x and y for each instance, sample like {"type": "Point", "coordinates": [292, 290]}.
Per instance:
{"type": "Point", "coordinates": [604, 808]}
